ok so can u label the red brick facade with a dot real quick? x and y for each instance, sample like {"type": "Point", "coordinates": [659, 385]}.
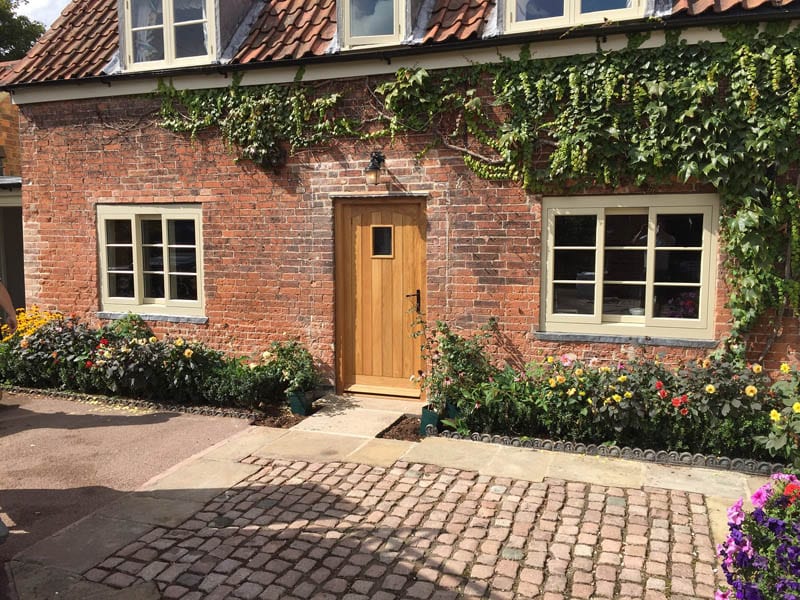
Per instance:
{"type": "Point", "coordinates": [9, 136]}
{"type": "Point", "coordinates": [268, 238]}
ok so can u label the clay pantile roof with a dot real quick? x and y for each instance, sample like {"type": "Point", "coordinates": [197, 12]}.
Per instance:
{"type": "Point", "coordinates": [6, 69]}
{"type": "Point", "coordinates": [85, 38]}
{"type": "Point", "coordinates": [696, 7]}
{"type": "Point", "coordinates": [290, 29]}
{"type": "Point", "coordinates": [457, 19]}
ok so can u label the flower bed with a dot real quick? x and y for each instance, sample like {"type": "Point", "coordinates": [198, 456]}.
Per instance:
{"type": "Point", "coordinates": [719, 406]}
{"type": "Point", "coordinates": [124, 358]}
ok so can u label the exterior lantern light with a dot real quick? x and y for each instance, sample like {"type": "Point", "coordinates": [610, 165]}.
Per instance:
{"type": "Point", "coordinates": [373, 170]}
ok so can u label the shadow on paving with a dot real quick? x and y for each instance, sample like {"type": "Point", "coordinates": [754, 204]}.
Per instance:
{"type": "Point", "coordinates": [14, 419]}
{"type": "Point", "coordinates": [278, 540]}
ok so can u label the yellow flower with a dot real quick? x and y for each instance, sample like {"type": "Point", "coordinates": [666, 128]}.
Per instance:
{"type": "Point", "coordinates": [570, 391]}
{"type": "Point", "coordinates": [253, 365]}
{"type": "Point", "coordinates": [578, 372]}
{"type": "Point", "coordinates": [188, 353]}
{"type": "Point", "coordinates": [616, 397]}
{"type": "Point", "coordinates": [561, 379]}
{"type": "Point", "coordinates": [796, 407]}
{"type": "Point", "coordinates": [775, 416]}
{"type": "Point", "coordinates": [757, 368]}
{"type": "Point", "coordinates": [710, 389]}
{"type": "Point", "coordinates": [552, 382]}
{"type": "Point", "coordinates": [107, 354]}
{"type": "Point", "coordinates": [622, 378]}
{"type": "Point", "coordinates": [266, 355]}
{"type": "Point", "coordinates": [607, 401]}
{"type": "Point", "coordinates": [628, 394]}
{"type": "Point", "coordinates": [588, 401]}
{"type": "Point", "coordinates": [153, 339]}
{"type": "Point", "coordinates": [605, 369]}
{"type": "Point", "coordinates": [785, 368]}
{"type": "Point", "coordinates": [550, 360]}
{"type": "Point", "coordinates": [706, 363]}
{"type": "Point", "coordinates": [179, 342]}
{"type": "Point", "coordinates": [582, 393]}
{"type": "Point", "coordinates": [751, 390]}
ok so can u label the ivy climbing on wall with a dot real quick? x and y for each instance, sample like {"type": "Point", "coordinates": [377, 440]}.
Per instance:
{"type": "Point", "coordinates": [720, 114]}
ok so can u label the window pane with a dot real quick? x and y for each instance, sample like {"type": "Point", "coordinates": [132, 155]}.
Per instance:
{"type": "Point", "coordinates": [153, 285]}
{"type": "Point", "coordinates": [574, 264]}
{"type": "Point", "coordinates": [151, 232]}
{"type": "Point", "coordinates": [623, 299]}
{"type": "Point", "coordinates": [626, 230]}
{"type": "Point", "coordinates": [679, 302]}
{"type": "Point", "coordinates": [183, 287]}
{"type": "Point", "coordinates": [181, 232]}
{"type": "Point", "coordinates": [182, 260]}
{"type": "Point", "coordinates": [190, 40]}
{"type": "Point", "coordinates": [120, 285]}
{"type": "Point", "coordinates": [153, 259]}
{"type": "Point", "coordinates": [570, 298]}
{"type": "Point", "coordinates": [580, 230]}
{"type": "Point", "coordinates": [680, 266]}
{"type": "Point", "coordinates": [120, 258]}
{"type": "Point", "coordinates": [381, 241]}
{"type": "Point", "coordinates": [588, 6]}
{"type": "Point", "coordinates": [371, 17]}
{"type": "Point", "coordinates": [539, 9]}
{"type": "Point", "coordinates": [118, 232]}
{"type": "Point", "coordinates": [679, 230]}
{"type": "Point", "coordinates": [145, 13]}
{"type": "Point", "coordinates": [625, 265]}
{"type": "Point", "coordinates": [189, 10]}
{"type": "Point", "coordinates": [148, 45]}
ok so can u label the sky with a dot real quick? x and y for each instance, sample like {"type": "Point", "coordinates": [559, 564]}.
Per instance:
{"type": "Point", "coordinates": [44, 11]}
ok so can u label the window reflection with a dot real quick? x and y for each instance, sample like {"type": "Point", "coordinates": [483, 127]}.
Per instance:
{"type": "Point", "coordinates": [371, 17]}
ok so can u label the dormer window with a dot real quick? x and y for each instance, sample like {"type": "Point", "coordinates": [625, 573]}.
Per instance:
{"type": "Point", "coordinates": [166, 33]}
{"type": "Point", "coordinates": [532, 15]}
{"type": "Point", "coordinates": [373, 22]}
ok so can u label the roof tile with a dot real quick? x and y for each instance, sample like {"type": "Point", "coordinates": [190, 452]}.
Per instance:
{"type": "Point", "coordinates": [84, 39]}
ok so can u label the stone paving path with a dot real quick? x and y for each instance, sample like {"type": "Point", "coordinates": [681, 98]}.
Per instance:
{"type": "Point", "coordinates": [342, 530]}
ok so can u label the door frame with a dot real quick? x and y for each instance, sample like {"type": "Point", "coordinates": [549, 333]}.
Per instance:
{"type": "Point", "coordinates": [339, 232]}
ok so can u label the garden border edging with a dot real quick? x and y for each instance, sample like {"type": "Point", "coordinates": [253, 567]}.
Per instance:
{"type": "Point", "coordinates": [663, 457]}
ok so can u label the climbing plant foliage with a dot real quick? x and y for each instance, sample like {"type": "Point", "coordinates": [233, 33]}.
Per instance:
{"type": "Point", "coordinates": [261, 122]}
{"type": "Point", "coordinates": [714, 114]}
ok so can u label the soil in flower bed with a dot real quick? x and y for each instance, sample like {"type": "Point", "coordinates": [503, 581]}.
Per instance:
{"type": "Point", "coordinates": [406, 428]}
{"type": "Point", "coordinates": [278, 416]}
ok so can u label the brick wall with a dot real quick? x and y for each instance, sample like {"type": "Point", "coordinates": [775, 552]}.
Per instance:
{"type": "Point", "coordinates": [9, 135]}
{"type": "Point", "coordinates": [268, 237]}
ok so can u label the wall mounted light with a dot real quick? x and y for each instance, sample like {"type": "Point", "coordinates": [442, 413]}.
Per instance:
{"type": "Point", "coordinates": [373, 170]}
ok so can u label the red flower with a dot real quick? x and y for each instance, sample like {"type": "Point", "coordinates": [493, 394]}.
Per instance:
{"type": "Point", "coordinates": [676, 402]}
{"type": "Point", "coordinates": [792, 491]}
{"type": "Point", "coordinates": [662, 394]}
{"type": "Point", "coordinates": [684, 411]}
{"type": "Point", "coordinates": [103, 342]}
{"type": "Point", "coordinates": [684, 399]}
{"type": "Point", "coordinates": [89, 364]}
{"type": "Point", "coordinates": [659, 385]}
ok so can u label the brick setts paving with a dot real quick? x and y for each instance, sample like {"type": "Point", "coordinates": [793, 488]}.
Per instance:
{"type": "Point", "coordinates": [343, 530]}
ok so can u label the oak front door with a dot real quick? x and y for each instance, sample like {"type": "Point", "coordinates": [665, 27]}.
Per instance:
{"type": "Point", "coordinates": [380, 289]}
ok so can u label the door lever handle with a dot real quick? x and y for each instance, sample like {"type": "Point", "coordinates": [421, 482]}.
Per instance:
{"type": "Point", "coordinates": [417, 295]}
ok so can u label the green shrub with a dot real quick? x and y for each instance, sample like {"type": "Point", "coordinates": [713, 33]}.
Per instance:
{"type": "Point", "coordinates": [250, 386]}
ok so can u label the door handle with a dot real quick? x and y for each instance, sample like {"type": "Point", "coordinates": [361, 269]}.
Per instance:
{"type": "Point", "coordinates": [418, 298]}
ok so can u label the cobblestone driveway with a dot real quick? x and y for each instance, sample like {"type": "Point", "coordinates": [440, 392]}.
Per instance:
{"type": "Point", "coordinates": [329, 531]}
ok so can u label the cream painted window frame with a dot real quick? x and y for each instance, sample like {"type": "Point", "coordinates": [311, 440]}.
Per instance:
{"type": "Point", "coordinates": [170, 61]}
{"type": "Point", "coordinates": [351, 41]}
{"type": "Point", "coordinates": [572, 16]}
{"type": "Point", "coordinates": [701, 328]}
{"type": "Point", "coordinates": [136, 214]}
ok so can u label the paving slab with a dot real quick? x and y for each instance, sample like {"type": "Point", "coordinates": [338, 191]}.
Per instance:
{"type": "Point", "coordinates": [199, 480]}
{"type": "Point", "coordinates": [597, 469]}
{"type": "Point", "coordinates": [358, 422]}
{"type": "Point", "coordinates": [96, 536]}
{"type": "Point", "coordinates": [380, 452]}
{"type": "Point", "coordinates": [457, 454]}
{"type": "Point", "coordinates": [519, 463]}
{"type": "Point", "coordinates": [165, 512]}
{"type": "Point", "coordinates": [718, 517]}
{"type": "Point", "coordinates": [311, 445]}
{"type": "Point", "coordinates": [709, 482]}
{"type": "Point", "coordinates": [243, 444]}
{"type": "Point", "coordinates": [34, 582]}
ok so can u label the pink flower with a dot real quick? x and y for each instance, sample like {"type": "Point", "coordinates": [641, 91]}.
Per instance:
{"type": "Point", "coordinates": [568, 359]}
{"type": "Point", "coordinates": [761, 495]}
{"type": "Point", "coordinates": [735, 513]}
{"type": "Point", "coordinates": [720, 595]}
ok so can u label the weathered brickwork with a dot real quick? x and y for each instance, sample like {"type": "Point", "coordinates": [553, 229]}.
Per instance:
{"type": "Point", "coordinates": [9, 135]}
{"type": "Point", "coordinates": [268, 237]}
